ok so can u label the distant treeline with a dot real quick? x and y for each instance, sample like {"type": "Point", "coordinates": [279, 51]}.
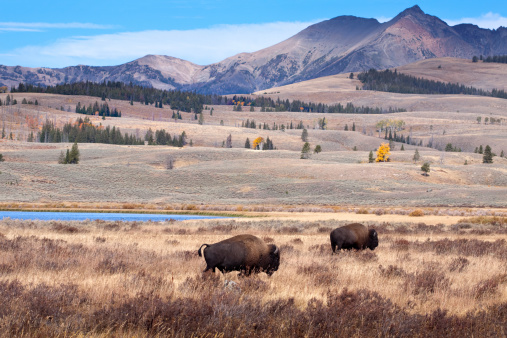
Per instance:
{"type": "Point", "coordinates": [83, 131]}
{"type": "Point", "coordinates": [268, 104]}
{"type": "Point", "coordinates": [394, 82]}
{"type": "Point", "coordinates": [102, 110]}
{"type": "Point", "coordinates": [191, 101]}
{"type": "Point", "coordinates": [177, 100]}
{"type": "Point", "coordinates": [494, 58]}
{"type": "Point", "coordinates": [161, 137]}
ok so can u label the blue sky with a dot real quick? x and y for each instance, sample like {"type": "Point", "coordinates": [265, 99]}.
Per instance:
{"type": "Point", "coordinates": [60, 33]}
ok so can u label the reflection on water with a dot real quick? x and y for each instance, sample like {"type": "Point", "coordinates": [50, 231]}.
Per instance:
{"type": "Point", "coordinates": [81, 216]}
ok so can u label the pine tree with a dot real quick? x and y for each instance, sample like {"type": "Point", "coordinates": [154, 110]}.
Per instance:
{"type": "Point", "coordinates": [61, 158]}
{"type": "Point", "coordinates": [228, 142]}
{"type": "Point", "coordinates": [425, 168]}
{"type": "Point", "coordinates": [67, 157]}
{"type": "Point", "coordinates": [74, 154]}
{"type": "Point", "coordinates": [247, 143]}
{"type": "Point", "coordinates": [304, 135]}
{"type": "Point", "coordinates": [371, 159]}
{"type": "Point", "coordinates": [317, 149]}
{"type": "Point", "coordinates": [416, 156]}
{"type": "Point", "coordinates": [201, 119]}
{"type": "Point", "coordinates": [488, 155]}
{"type": "Point", "coordinates": [305, 152]}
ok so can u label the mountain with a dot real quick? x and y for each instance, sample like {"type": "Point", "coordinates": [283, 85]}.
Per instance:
{"type": "Point", "coordinates": [343, 44]}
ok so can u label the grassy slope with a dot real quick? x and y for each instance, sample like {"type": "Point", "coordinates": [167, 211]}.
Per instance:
{"type": "Point", "coordinates": [209, 174]}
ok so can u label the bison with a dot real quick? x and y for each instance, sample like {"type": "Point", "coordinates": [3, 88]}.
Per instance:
{"type": "Point", "coordinates": [353, 236]}
{"type": "Point", "coordinates": [243, 253]}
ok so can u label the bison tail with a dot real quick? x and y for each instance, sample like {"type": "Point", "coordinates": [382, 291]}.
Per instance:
{"type": "Point", "coordinates": [199, 251]}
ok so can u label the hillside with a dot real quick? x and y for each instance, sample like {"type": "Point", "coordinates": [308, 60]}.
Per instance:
{"type": "Point", "coordinates": [209, 174]}
{"type": "Point", "coordinates": [342, 44]}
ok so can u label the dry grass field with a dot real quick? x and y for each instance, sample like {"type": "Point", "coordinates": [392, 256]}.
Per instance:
{"type": "Point", "coordinates": [208, 174]}
{"type": "Point", "coordinates": [440, 269]}
{"type": "Point", "coordinates": [97, 278]}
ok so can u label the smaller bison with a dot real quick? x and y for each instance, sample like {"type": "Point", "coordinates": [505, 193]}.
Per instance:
{"type": "Point", "coordinates": [353, 236]}
{"type": "Point", "coordinates": [243, 253]}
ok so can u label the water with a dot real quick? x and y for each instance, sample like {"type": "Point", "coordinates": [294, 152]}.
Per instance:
{"type": "Point", "coordinates": [81, 216]}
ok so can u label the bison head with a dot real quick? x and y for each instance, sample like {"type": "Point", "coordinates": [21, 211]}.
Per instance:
{"type": "Point", "coordinates": [372, 239]}
{"type": "Point", "coordinates": [274, 259]}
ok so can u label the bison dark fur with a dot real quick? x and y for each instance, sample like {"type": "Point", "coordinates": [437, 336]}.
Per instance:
{"type": "Point", "coordinates": [243, 253]}
{"type": "Point", "coordinates": [353, 236]}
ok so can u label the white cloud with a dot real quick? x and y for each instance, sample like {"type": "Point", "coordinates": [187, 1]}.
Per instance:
{"type": "Point", "coordinates": [201, 46]}
{"type": "Point", "coordinates": [490, 20]}
{"type": "Point", "coordinates": [383, 19]}
{"type": "Point", "coordinates": [37, 26]}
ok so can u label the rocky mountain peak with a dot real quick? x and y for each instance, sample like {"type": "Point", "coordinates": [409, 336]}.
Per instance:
{"type": "Point", "coordinates": [339, 45]}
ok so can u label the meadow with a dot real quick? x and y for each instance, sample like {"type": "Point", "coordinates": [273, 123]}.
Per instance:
{"type": "Point", "coordinates": [97, 278]}
{"type": "Point", "coordinates": [440, 268]}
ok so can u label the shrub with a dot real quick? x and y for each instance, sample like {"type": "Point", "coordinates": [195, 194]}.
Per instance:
{"type": "Point", "coordinates": [391, 271]}
{"type": "Point", "coordinates": [417, 213]}
{"type": "Point", "coordinates": [488, 287]}
{"type": "Point", "coordinates": [427, 281]}
{"type": "Point", "coordinates": [458, 264]}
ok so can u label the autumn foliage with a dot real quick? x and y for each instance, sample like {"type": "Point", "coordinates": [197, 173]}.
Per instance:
{"type": "Point", "coordinates": [257, 142]}
{"type": "Point", "coordinates": [383, 153]}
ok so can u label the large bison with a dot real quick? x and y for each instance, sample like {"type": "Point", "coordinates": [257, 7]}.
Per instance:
{"type": "Point", "coordinates": [353, 236]}
{"type": "Point", "coordinates": [243, 253]}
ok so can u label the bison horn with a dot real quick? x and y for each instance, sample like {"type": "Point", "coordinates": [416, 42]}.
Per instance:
{"type": "Point", "coordinates": [276, 250]}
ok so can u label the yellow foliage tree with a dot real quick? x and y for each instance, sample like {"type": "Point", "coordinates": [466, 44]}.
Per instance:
{"type": "Point", "coordinates": [257, 142]}
{"type": "Point", "coordinates": [383, 153]}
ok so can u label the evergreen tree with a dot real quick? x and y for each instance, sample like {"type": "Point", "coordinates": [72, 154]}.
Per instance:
{"type": "Point", "coordinates": [425, 168]}
{"type": "Point", "coordinates": [201, 119]}
{"type": "Point", "coordinates": [61, 158]}
{"type": "Point", "coordinates": [317, 149]}
{"type": "Point", "coordinates": [480, 149]}
{"type": "Point", "coordinates": [74, 154]}
{"type": "Point", "coordinates": [346, 127]}
{"type": "Point", "coordinates": [371, 159]}
{"type": "Point", "coordinates": [502, 154]}
{"type": "Point", "coordinates": [247, 143]}
{"type": "Point", "coordinates": [353, 126]}
{"type": "Point", "coordinates": [228, 142]}
{"type": "Point", "coordinates": [416, 156]}
{"type": "Point", "coordinates": [2, 158]}
{"type": "Point", "coordinates": [304, 135]}
{"type": "Point", "coordinates": [488, 155]}
{"type": "Point", "coordinates": [67, 157]}
{"type": "Point", "coordinates": [305, 152]}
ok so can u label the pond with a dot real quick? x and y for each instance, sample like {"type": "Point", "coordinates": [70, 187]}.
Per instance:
{"type": "Point", "coordinates": [81, 216]}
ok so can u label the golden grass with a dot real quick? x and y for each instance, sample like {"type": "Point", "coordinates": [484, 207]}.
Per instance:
{"type": "Point", "coordinates": [421, 269]}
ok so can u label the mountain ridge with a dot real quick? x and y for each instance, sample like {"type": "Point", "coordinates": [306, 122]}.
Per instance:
{"type": "Point", "coordinates": [339, 45]}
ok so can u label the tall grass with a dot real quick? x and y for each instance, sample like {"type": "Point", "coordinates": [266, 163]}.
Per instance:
{"type": "Point", "coordinates": [144, 279]}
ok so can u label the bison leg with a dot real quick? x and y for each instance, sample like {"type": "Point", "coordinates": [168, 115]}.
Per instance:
{"type": "Point", "coordinates": [208, 268]}
{"type": "Point", "coordinates": [333, 247]}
